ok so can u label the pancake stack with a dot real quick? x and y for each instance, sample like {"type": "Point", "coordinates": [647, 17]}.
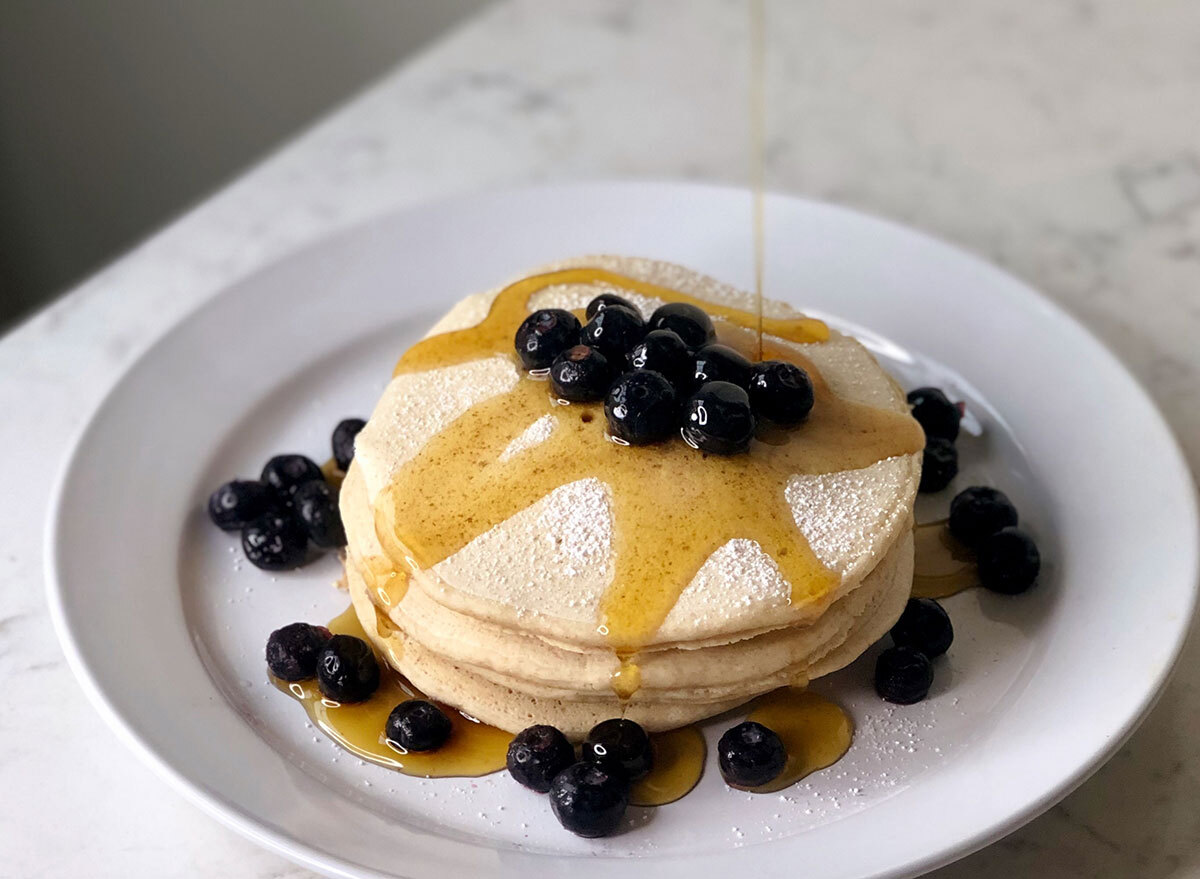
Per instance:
{"type": "Point", "coordinates": [511, 627]}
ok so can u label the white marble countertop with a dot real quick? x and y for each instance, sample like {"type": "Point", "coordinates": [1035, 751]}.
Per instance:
{"type": "Point", "coordinates": [1058, 139]}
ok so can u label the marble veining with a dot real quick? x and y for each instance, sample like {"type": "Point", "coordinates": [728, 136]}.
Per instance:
{"type": "Point", "coordinates": [1057, 139]}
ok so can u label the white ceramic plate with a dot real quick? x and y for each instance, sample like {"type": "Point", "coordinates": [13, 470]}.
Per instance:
{"type": "Point", "coordinates": [165, 626]}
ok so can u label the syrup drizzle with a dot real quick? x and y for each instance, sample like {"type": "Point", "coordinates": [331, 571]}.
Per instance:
{"type": "Point", "coordinates": [942, 565]}
{"type": "Point", "coordinates": [815, 732]}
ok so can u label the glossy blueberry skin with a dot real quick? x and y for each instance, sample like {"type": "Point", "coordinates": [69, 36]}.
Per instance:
{"type": "Point", "coordinates": [614, 331]}
{"type": "Point", "coordinates": [236, 504]}
{"type": "Point", "coordinates": [1009, 561]}
{"type": "Point", "coordinates": [641, 407]}
{"type": "Point", "coordinates": [939, 465]}
{"type": "Point", "coordinates": [544, 335]}
{"type": "Point", "coordinates": [750, 755]}
{"type": "Point", "coordinates": [347, 670]}
{"type": "Point", "coordinates": [590, 799]}
{"type": "Point", "coordinates": [292, 651]}
{"type": "Point", "coordinates": [286, 473]}
{"type": "Point", "coordinates": [903, 675]}
{"type": "Point", "coordinates": [718, 419]}
{"type": "Point", "coordinates": [781, 392]}
{"type": "Point", "coordinates": [935, 413]}
{"type": "Point", "coordinates": [343, 441]}
{"type": "Point", "coordinates": [619, 741]}
{"type": "Point", "coordinates": [316, 509]}
{"type": "Point", "coordinates": [418, 725]}
{"type": "Point", "coordinates": [924, 626]}
{"type": "Point", "coordinates": [720, 363]}
{"type": "Point", "coordinates": [537, 754]}
{"type": "Point", "coordinates": [275, 542]}
{"type": "Point", "coordinates": [688, 321]}
{"type": "Point", "coordinates": [664, 352]}
{"type": "Point", "coordinates": [978, 512]}
{"type": "Point", "coordinates": [604, 300]}
{"type": "Point", "coordinates": [581, 375]}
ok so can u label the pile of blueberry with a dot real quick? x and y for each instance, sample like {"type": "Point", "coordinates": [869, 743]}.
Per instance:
{"type": "Point", "coordinates": [939, 418]}
{"type": "Point", "coordinates": [347, 671]}
{"type": "Point", "coordinates": [663, 375]}
{"type": "Point", "coordinates": [289, 506]}
{"type": "Point", "coordinates": [1008, 561]}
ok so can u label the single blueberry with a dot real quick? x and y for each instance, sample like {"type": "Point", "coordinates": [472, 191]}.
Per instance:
{"type": "Point", "coordinates": [604, 300]}
{"type": "Point", "coordinates": [924, 626]}
{"type": "Point", "coordinates": [939, 464]}
{"type": "Point", "coordinates": [347, 670]}
{"type": "Point", "coordinates": [1008, 561]}
{"type": "Point", "coordinates": [720, 363]}
{"type": "Point", "coordinates": [781, 392]}
{"type": "Point", "coordinates": [691, 323]}
{"type": "Point", "coordinates": [316, 509]}
{"type": "Point", "coordinates": [537, 754]}
{"type": "Point", "coordinates": [750, 755]}
{"type": "Point", "coordinates": [664, 352]}
{"type": "Point", "coordinates": [641, 407]}
{"type": "Point", "coordinates": [903, 675]}
{"type": "Point", "coordinates": [236, 504]}
{"type": "Point", "coordinates": [343, 441]}
{"type": "Point", "coordinates": [292, 651]}
{"type": "Point", "coordinates": [620, 741]}
{"type": "Point", "coordinates": [935, 413]}
{"type": "Point", "coordinates": [978, 512]}
{"type": "Point", "coordinates": [718, 419]}
{"type": "Point", "coordinates": [581, 375]}
{"type": "Point", "coordinates": [589, 799]}
{"type": "Point", "coordinates": [275, 542]}
{"type": "Point", "coordinates": [286, 473]}
{"type": "Point", "coordinates": [614, 331]}
{"type": "Point", "coordinates": [544, 335]}
{"type": "Point", "coordinates": [418, 725]}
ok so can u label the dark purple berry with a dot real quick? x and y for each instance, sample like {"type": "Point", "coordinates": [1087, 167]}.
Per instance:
{"type": "Point", "coordinates": [537, 754]}
{"type": "Point", "coordinates": [935, 413]}
{"type": "Point", "coordinates": [581, 375]}
{"type": "Point", "coordinates": [980, 511]}
{"type": "Point", "coordinates": [924, 626]}
{"type": "Point", "coordinates": [544, 335]}
{"type": "Point", "coordinates": [347, 670]}
{"type": "Point", "coordinates": [903, 675]}
{"type": "Point", "coordinates": [718, 419]}
{"type": "Point", "coordinates": [939, 464]}
{"type": "Point", "coordinates": [343, 441]}
{"type": "Point", "coordinates": [641, 407]}
{"type": "Point", "coordinates": [781, 392]}
{"type": "Point", "coordinates": [691, 323]}
{"type": "Point", "coordinates": [292, 651]}
{"type": "Point", "coordinates": [1008, 561]}
{"type": "Point", "coordinates": [750, 755]}
{"type": "Point", "coordinates": [236, 504]}
{"type": "Point", "coordinates": [418, 725]}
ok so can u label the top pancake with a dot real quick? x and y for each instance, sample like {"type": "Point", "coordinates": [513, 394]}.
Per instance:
{"type": "Point", "coordinates": [546, 568]}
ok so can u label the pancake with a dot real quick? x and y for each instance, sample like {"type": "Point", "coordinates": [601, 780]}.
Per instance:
{"type": "Point", "coordinates": [510, 626]}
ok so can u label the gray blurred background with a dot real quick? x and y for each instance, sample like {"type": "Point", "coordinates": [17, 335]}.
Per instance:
{"type": "Point", "coordinates": [116, 115]}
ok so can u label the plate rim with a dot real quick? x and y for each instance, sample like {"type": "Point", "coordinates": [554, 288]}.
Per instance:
{"type": "Point", "coordinates": [328, 863]}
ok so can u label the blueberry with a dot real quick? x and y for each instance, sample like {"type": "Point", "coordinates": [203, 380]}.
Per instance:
{"type": "Point", "coordinates": [979, 511]}
{"type": "Point", "coordinates": [614, 331]}
{"type": "Point", "coordinates": [622, 742]}
{"type": "Point", "coordinates": [718, 419]}
{"type": "Point", "coordinates": [750, 755]}
{"type": "Point", "coordinates": [236, 504]}
{"type": "Point", "coordinates": [939, 464]}
{"type": "Point", "coordinates": [935, 413]}
{"type": "Point", "coordinates": [581, 375]}
{"type": "Point", "coordinates": [544, 335]}
{"type": "Point", "coordinates": [781, 392]}
{"type": "Point", "coordinates": [286, 473]}
{"type": "Point", "coordinates": [417, 725]}
{"type": "Point", "coordinates": [1009, 561]}
{"type": "Point", "coordinates": [316, 509]}
{"type": "Point", "coordinates": [537, 754]}
{"type": "Point", "coordinates": [692, 324]}
{"type": "Point", "coordinates": [903, 675]}
{"type": "Point", "coordinates": [641, 407]}
{"type": "Point", "coordinates": [347, 670]}
{"type": "Point", "coordinates": [275, 542]}
{"type": "Point", "coordinates": [292, 651]}
{"type": "Point", "coordinates": [343, 441]}
{"type": "Point", "coordinates": [720, 363]}
{"type": "Point", "coordinates": [604, 300]}
{"type": "Point", "coordinates": [664, 352]}
{"type": "Point", "coordinates": [924, 626]}
{"type": "Point", "coordinates": [589, 799]}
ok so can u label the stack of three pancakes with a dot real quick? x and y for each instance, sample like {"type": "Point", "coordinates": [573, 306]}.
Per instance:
{"type": "Point", "coordinates": [510, 628]}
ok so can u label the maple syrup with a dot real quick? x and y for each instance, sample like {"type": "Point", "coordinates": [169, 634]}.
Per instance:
{"type": "Point", "coordinates": [678, 764]}
{"type": "Point", "coordinates": [815, 732]}
{"type": "Point", "coordinates": [942, 565]}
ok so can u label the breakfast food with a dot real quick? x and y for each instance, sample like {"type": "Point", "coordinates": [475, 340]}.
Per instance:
{"type": "Point", "coordinates": [513, 561]}
{"type": "Point", "coordinates": [596, 506]}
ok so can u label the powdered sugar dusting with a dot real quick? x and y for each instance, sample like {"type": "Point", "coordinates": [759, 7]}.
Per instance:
{"type": "Point", "coordinates": [534, 435]}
